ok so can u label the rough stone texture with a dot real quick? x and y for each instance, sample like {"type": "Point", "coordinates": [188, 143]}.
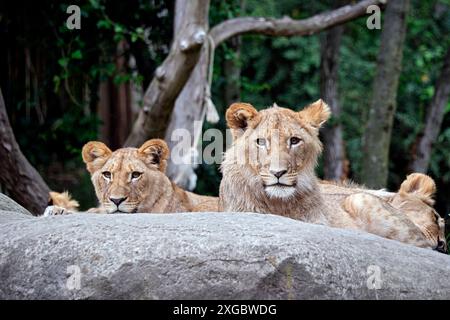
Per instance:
{"type": "Point", "coordinates": [207, 256]}
{"type": "Point", "coordinates": [7, 204]}
{"type": "Point", "coordinates": [9, 210]}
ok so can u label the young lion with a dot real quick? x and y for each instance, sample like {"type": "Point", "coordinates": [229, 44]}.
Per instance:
{"type": "Point", "coordinates": [414, 199]}
{"type": "Point", "coordinates": [133, 180]}
{"type": "Point", "coordinates": [270, 169]}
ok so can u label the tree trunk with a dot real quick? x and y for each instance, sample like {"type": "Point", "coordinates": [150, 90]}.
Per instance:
{"type": "Point", "coordinates": [232, 68]}
{"type": "Point", "coordinates": [433, 120]}
{"type": "Point", "coordinates": [114, 109]}
{"type": "Point", "coordinates": [21, 180]}
{"type": "Point", "coordinates": [190, 104]}
{"type": "Point", "coordinates": [115, 105]}
{"type": "Point", "coordinates": [232, 73]}
{"type": "Point", "coordinates": [335, 161]}
{"type": "Point", "coordinates": [172, 75]}
{"type": "Point", "coordinates": [188, 115]}
{"type": "Point", "coordinates": [188, 109]}
{"type": "Point", "coordinates": [377, 136]}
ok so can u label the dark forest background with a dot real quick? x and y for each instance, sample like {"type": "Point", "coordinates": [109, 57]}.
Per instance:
{"type": "Point", "coordinates": [63, 88]}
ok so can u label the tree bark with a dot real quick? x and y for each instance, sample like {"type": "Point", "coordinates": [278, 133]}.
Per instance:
{"type": "Point", "coordinates": [21, 180]}
{"type": "Point", "coordinates": [377, 135]}
{"type": "Point", "coordinates": [335, 161]}
{"type": "Point", "coordinates": [188, 109]}
{"type": "Point", "coordinates": [172, 75]}
{"type": "Point", "coordinates": [232, 73]}
{"type": "Point", "coordinates": [188, 114]}
{"type": "Point", "coordinates": [232, 68]}
{"type": "Point", "coordinates": [190, 106]}
{"type": "Point", "coordinates": [433, 121]}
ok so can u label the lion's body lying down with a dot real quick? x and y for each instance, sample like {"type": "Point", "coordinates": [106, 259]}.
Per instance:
{"type": "Point", "coordinates": [270, 169]}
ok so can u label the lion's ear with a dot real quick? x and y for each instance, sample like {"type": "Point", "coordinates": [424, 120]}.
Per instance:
{"type": "Point", "coordinates": [316, 114]}
{"type": "Point", "coordinates": [95, 154]}
{"type": "Point", "coordinates": [155, 152]}
{"type": "Point", "coordinates": [240, 116]}
{"type": "Point", "coordinates": [420, 185]}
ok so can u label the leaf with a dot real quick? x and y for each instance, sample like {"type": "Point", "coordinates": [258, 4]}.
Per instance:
{"type": "Point", "coordinates": [63, 62]}
{"type": "Point", "coordinates": [104, 24]}
{"type": "Point", "coordinates": [77, 55]}
{"type": "Point", "coordinates": [118, 28]}
{"type": "Point", "coordinates": [447, 108]}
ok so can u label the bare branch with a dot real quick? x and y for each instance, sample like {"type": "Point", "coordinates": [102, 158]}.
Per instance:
{"type": "Point", "coordinates": [378, 128]}
{"type": "Point", "coordinates": [287, 26]}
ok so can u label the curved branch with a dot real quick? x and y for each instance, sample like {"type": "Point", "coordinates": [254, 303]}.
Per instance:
{"type": "Point", "coordinates": [287, 26]}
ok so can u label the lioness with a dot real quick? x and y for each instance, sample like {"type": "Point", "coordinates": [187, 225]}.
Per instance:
{"type": "Point", "coordinates": [133, 180]}
{"type": "Point", "coordinates": [269, 168]}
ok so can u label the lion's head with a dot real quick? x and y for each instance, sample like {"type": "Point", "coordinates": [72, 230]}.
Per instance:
{"type": "Point", "coordinates": [275, 149]}
{"type": "Point", "coordinates": [415, 199]}
{"type": "Point", "coordinates": [129, 178]}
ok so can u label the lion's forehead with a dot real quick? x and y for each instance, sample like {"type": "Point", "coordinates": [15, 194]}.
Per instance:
{"type": "Point", "coordinates": [279, 122]}
{"type": "Point", "coordinates": [124, 160]}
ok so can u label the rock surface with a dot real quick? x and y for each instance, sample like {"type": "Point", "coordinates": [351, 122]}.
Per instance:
{"type": "Point", "coordinates": [207, 256]}
{"type": "Point", "coordinates": [9, 210]}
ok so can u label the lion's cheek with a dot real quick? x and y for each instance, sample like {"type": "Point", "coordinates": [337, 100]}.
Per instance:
{"type": "Point", "coordinates": [100, 191]}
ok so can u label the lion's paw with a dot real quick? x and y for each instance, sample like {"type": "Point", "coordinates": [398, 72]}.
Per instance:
{"type": "Point", "coordinates": [55, 211]}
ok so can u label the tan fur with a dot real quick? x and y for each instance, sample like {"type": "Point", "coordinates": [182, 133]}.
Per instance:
{"type": "Point", "coordinates": [64, 200]}
{"type": "Point", "coordinates": [419, 185]}
{"type": "Point", "coordinates": [151, 192]}
{"type": "Point", "coordinates": [414, 199]}
{"type": "Point", "coordinates": [252, 185]}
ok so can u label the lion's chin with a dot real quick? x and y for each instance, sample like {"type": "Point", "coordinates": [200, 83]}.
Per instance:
{"type": "Point", "coordinates": [121, 211]}
{"type": "Point", "coordinates": [280, 192]}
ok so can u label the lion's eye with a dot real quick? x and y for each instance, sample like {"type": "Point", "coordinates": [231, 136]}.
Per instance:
{"type": "Point", "coordinates": [135, 174]}
{"type": "Point", "coordinates": [294, 141]}
{"type": "Point", "coordinates": [106, 174]}
{"type": "Point", "coordinates": [261, 142]}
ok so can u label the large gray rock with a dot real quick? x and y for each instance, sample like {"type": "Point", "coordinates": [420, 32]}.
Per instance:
{"type": "Point", "coordinates": [9, 210]}
{"type": "Point", "coordinates": [209, 256]}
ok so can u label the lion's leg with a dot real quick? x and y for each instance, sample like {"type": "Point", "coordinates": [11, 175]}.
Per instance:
{"type": "Point", "coordinates": [56, 211]}
{"type": "Point", "coordinates": [60, 211]}
{"type": "Point", "coordinates": [376, 216]}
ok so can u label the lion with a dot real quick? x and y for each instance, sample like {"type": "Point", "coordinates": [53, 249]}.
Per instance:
{"type": "Point", "coordinates": [60, 203]}
{"type": "Point", "coordinates": [269, 168]}
{"type": "Point", "coordinates": [414, 199]}
{"type": "Point", "coordinates": [133, 180]}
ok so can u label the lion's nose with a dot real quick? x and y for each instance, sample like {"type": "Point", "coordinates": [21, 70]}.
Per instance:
{"type": "Point", "coordinates": [278, 174]}
{"type": "Point", "coordinates": [441, 246]}
{"type": "Point", "coordinates": [117, 201]}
